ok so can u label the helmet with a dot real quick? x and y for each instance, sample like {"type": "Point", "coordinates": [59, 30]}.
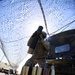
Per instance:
{"type": "Point", "coordinates": [44, 34]}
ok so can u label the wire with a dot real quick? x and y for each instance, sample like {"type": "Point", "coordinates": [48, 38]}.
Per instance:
{"type": "Point", "coordinates": [43, 16]}
{"type": "Point", "coordinates": [62, 27]}
{"type": "Point", "coordinates": [68, 25]}
{"type": "Point", "coordinates": [2, 58]}
{"type": "Point", "coordinates": [16, 40]}
{"type": "Point", "coordinates": [2, 47]}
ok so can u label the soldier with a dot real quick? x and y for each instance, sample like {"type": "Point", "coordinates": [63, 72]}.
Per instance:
{"type": "Point", "coordinates": [40, 52]}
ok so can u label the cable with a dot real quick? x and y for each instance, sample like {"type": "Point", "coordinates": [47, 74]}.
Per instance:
{"type": "Point", "coordinates": [16, 40]}
{"type": "Point", "coordinates": [43, 16]}
{"type": "Point", "coordinates": [62, 27]}
{"type": "Point", "coordinates": [68, 25]}
{"type": "Point", "coordinates": [65, 28]}
{"type": "Point", "coordinates": [2, 58]}
{"type": "Point", "coordinates": [2, 47]}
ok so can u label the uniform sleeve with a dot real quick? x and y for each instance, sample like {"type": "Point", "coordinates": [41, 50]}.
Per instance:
{"type": "Point", "coordinates": [29, 41]}
{"type": "Point", "coordinates": [45, 44]}
{"type": "Point", "coordinates": [31, 38]}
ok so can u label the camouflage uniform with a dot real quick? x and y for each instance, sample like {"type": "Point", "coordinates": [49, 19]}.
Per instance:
{"type": "Point", "coordinates": [40, 52]}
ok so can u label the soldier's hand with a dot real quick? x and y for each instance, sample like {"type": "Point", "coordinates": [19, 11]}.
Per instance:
{"type": "Point", "coordinates": [41, 38]}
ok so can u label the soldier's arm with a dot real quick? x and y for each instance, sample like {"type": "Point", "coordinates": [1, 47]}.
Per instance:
{"type": "Point", "coordinates": [29, 41]}
{"type": "Point", "coordinates": [45, 44]}
{"type": "Point", "coordinates": [31, 38]}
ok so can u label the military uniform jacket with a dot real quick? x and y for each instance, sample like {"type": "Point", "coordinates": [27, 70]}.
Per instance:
{"type": "Point", "coordinates": [41, 48]}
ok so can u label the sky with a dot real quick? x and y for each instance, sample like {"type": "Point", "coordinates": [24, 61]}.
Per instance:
{"type": "Point", "coordinates": [20, 18]}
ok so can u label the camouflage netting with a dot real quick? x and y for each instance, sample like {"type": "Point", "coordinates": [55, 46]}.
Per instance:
{"type": "Point", "coordinates": [20, 18]}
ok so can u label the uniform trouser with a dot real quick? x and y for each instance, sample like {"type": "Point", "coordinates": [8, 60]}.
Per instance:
{"type": "Point", "coordinates": [32, 62]}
